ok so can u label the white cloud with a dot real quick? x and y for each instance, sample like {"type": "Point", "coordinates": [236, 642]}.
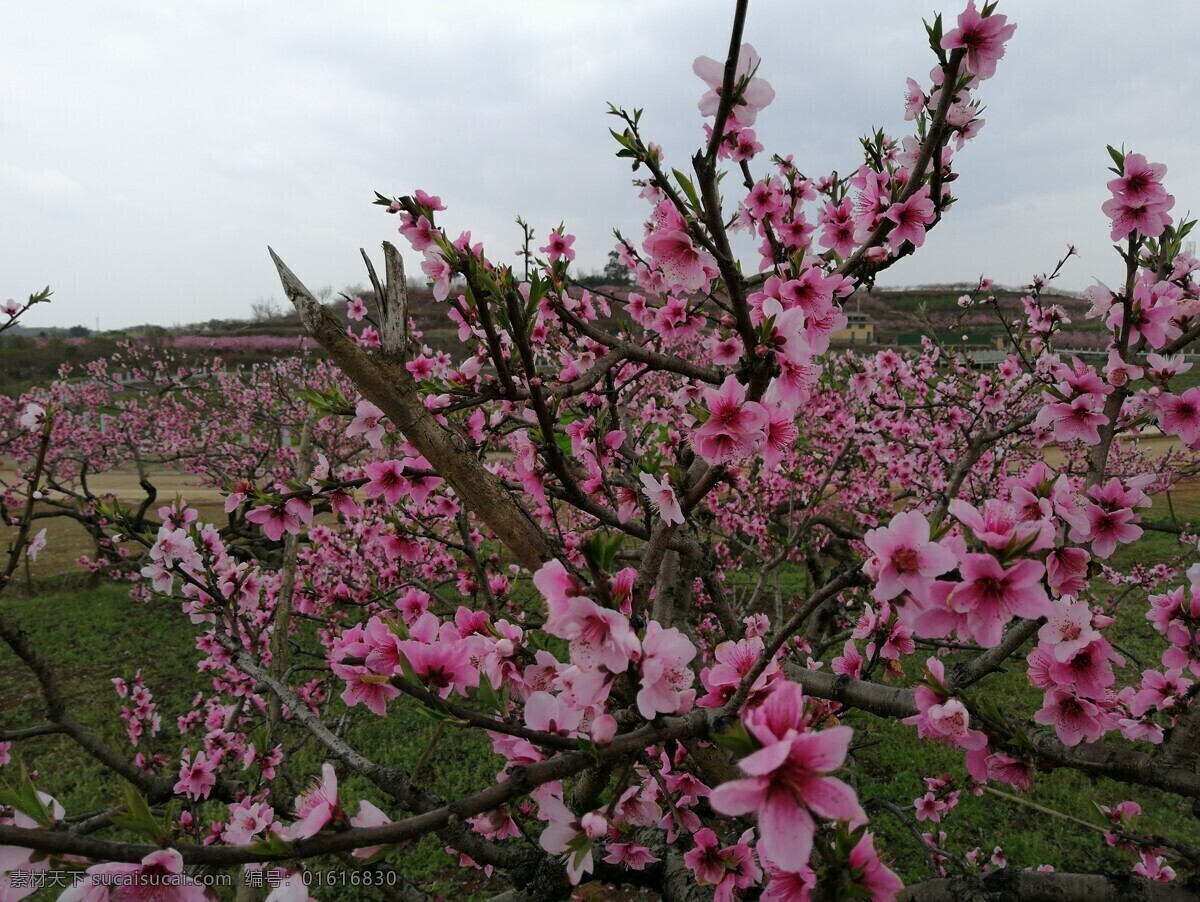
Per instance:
{"type": "Point", "coordinates": [149, 152]}
{"type": "Point", "coordinates": [44, 185]}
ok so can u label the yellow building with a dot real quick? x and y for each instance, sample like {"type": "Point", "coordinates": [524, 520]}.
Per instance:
{"type": "Point", "coordinates": [859, 330]}
{"type": "Point", "coordinates": [1003, 343]}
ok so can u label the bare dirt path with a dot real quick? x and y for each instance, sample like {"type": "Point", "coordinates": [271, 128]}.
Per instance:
{"type": "Point", "coordinates": [66, 539]}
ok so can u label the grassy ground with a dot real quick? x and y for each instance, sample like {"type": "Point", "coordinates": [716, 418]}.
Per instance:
{"type": "Point", "coordinates": [893, 763]}
{"type": "Point", "coordinates": [95, 635]}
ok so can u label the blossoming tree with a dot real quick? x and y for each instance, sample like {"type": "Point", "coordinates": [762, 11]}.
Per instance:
{"type": "Point", "coordinates": [570, 537]}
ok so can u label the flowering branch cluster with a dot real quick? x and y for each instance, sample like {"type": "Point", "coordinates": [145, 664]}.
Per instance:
{"type": "Point", "coordinates": [570, 535]}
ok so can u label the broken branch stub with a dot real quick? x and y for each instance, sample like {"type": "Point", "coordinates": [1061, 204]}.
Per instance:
{"type": "Point", "coordinates": [388, 385]}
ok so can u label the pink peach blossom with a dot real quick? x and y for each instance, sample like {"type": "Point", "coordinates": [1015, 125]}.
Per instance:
{"type": "Point", "coordinates": [757, 95]}
{"type": "Point", "coordinates": [905, 559]}
{"type": "Point", "coordinates": [983, 39]}
{"type": "Point", "coordinates": [787, 782]}
{"type": "Point", "coordinates": [662, 495]}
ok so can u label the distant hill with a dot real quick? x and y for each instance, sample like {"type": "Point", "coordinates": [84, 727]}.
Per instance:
{"type": "Point", "coordinates": [29, 356]}
{"type": "Point", "coordinates": [902, 311]}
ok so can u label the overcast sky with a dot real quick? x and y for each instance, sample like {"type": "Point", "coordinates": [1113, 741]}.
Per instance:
{"type": "Point", "coordinates": [150, 151]}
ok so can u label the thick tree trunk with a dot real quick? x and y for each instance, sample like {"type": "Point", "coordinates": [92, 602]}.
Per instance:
{"type": "Point", "coordinates": [390, 386]}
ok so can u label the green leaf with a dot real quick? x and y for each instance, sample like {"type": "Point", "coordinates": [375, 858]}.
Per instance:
{"type": "Point", "coordinates": [272, 845]}
{"type": "Point", "coordinates": [1021, 739]}
{"type": "Point", "coordinates": [627, 141]}
{"type": "Point", "coordinates": [1016, 548]}
{"type": "Point", "coordinates": [24, 797]}
{"type": "Point", "coordinates": [602, 550]}
{"type": "Point", "coordinates": [989, 710]}
{"type": "Point", "coordinates": [406, 669]}
{"type": "Point", "coordinates": [586, 745]}
{"type": "Point", "coordinates": [737, 740]}
{"type": "Point", "coordinates": [331, 402]}
{"type": "Point", "coordinates": [1118, 157]}
{"type": "Point", "coordinates": [538, 289]}
{"type": "Point", "coordinates": [437, 715]}
{"type": "Point", "coordinates": [488, 696]}
{"type": "Point", "coordinates": [688, 188]}
{"type": "Point", "coordinates": [399, 628]}
{"type": "Point", "coordinates": [935, 35]}
{"type": "Point", "coordinates": [137, 816]}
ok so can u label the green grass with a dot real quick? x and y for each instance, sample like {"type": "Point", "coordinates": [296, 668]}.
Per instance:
{"type": "Point", "coordinates": [93, 636]}
{"type": "Point", "coordinates": [1184, 381]}
{"type": "Point", "coordinates": [892, 762]}
{"type": "Point", "coordinates": [90, 638]}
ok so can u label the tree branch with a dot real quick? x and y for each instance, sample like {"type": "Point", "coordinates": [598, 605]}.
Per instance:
{"type": "Point", "coordinates": [392, 388]}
